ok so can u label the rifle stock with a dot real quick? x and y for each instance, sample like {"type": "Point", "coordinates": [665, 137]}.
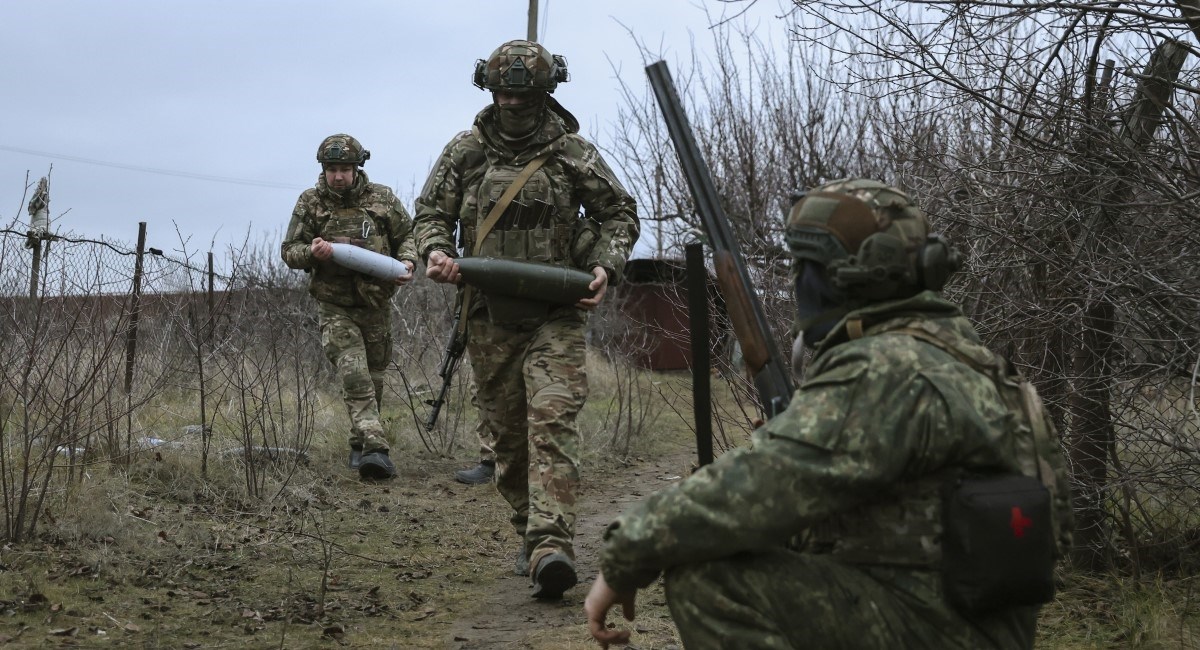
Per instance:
{"type": "Point", "coordinates": [763, 359]}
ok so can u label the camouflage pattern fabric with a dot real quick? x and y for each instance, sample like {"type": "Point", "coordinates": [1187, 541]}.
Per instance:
{"type": "Point", "coordinates": [530, 373]}
{"type": "Point", "coordinates": [358, 342]}
{"type": "Point", "coordinates": [482, 432]}
{"type": "Point", "coordinates": [531, 385]}
{"type": "Point", "coordinates": [354, 309]}
{"type": "Point", "coordinates": [848, 476]}
{"type": "Point", "coordinates": [780, 600]}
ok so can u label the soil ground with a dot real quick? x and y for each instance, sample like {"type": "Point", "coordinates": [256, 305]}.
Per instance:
{"type": "Point", "coordinates": [416, 562]}
{"type": "Point", "coordinates": [155, 557]}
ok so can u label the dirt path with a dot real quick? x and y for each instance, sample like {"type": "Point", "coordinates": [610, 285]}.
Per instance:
{"type": "Point", "coordinates": [332, 561]}
{"type": "Point", "coordinates": [506, 616]}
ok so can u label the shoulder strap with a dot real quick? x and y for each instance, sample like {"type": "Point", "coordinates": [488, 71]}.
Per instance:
{"type": "Point", "coordinates": [490, 221]}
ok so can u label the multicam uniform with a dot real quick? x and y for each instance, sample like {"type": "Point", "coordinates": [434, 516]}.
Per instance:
{"type": "Point", "coordinates": [354, 308]}
{"type": "Point", "coordinates": [827, 532]}
{"type": "Point", "coordinates": [529, 363]}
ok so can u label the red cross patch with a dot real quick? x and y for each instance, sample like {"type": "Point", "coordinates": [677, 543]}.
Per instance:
{"type": "Point", "coordinates": [1019, 522]}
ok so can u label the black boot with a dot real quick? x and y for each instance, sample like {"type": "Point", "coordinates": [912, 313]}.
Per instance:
{"type": "Point", "coordinates": [555, 573]}
{"type": "Point", "coordinates": [355, 456]}
{"type": "Point", "coordinates": [477, 475]}
{"type": "Point", "coordinates": [376, 466]}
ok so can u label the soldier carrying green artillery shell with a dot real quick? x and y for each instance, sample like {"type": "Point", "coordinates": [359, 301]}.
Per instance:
{"type": "Point", "coordinates": [523, 186]}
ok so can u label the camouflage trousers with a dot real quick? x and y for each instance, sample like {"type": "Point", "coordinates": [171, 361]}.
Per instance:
{"type": "Point", "coordinates": [483, 434]}
{"type": "Point", "coordinates": [530, 386]}
{"type": "Point", "coordinates": [783, 599]}
{"type": "Point", "coordinates": [358, 342]}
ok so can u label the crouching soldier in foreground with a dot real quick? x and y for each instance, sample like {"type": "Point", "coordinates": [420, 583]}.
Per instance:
{"type": "Point", "coordinates": [912, 495]}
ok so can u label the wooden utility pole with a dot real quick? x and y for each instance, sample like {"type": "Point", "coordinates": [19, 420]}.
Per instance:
{"type": "Point", "coordinates": [531, 31]}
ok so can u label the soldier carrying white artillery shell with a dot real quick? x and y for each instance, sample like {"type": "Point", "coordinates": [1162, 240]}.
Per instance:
{"type": "Point", "coordinates": [345, 208]}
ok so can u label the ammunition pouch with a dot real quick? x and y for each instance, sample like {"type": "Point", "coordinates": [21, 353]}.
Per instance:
{"type": "Point", "coordinates": [998, 544]}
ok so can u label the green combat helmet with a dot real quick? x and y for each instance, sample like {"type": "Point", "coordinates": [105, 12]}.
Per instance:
{"type": "Point", "coordinates": [341, 149]}
{"type": "Point", "coordinates": [872, 240]}
{"type": "Point", "coordinates": [520, 66]}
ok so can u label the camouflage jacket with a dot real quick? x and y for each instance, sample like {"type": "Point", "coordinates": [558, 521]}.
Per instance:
{"type": "Point", "coordinates": [854, 466]}
{"type": "Point", "coordinates": [544, 223]}
{"type": "Point", "coordinates": [368, 215]}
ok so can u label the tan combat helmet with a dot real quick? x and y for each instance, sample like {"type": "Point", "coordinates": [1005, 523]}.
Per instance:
{"type": "Point", "coordinates": [342, 149]}
{"type": "Point", "coordinates": [873, 241]}
{"type": "Point", "coordinates": [520, 66]}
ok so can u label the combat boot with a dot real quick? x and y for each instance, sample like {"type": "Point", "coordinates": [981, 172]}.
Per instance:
{"type": "Point", "coordinates": [482, 473]}
{"type": "Point", "coordinates": [555, 573]}
{"type": "Point", "coordinates": [376, 466]}
{"type": "Point", "coordinates": [355, 456]}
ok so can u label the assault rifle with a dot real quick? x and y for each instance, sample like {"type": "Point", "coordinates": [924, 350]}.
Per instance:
{"type": "Point", "coordinates": [455, 348]}
{"type": "Point", "coordinates": [763, 360]}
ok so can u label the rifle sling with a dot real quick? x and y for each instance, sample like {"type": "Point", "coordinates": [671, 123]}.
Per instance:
{"type": "Point", "coordinates": [490, 222]}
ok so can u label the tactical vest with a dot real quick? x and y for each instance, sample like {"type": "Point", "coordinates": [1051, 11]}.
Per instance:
{"type": "Point", "coordinates": [536, 227]}
{"type": "Point", "coordinates": [363, 226]}
{"type": "Point", "coordinates": [542, 224]}
{"type": "Point", "coordinates": [904, 527]}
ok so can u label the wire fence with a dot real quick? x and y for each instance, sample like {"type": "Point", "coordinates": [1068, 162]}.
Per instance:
{"type": "Point", "coordinates": [65, 265]}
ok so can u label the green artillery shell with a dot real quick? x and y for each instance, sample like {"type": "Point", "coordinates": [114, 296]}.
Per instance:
{"type": "Point", "coordinates": [526, 280]}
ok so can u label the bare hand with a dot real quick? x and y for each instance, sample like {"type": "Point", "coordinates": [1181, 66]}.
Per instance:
{"type": "Point", "coordinates": [321, 249]}
{"type": "Point", "coordinates": [442, 268]}
{"type": "Point", "coordinates": [405, 279]}
{"type": "Point", "coordinates": [596, 606]}
{"type": "Point", "coordinates": [598, 286]}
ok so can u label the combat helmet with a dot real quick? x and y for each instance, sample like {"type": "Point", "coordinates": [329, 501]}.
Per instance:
{"type": "Point", "coordinates": [342, 149]}
{"type": "Point", "coordinates": [873, 241]}
{"type": "Point", "coordinates": [520, 66]}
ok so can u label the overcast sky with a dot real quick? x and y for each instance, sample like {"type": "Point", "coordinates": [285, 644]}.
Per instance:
{"type": "Point", "coordinates": [206, 115]}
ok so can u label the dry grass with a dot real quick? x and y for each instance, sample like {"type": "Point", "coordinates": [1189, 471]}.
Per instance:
{"type": "Point", "coordinates": [154, 555]}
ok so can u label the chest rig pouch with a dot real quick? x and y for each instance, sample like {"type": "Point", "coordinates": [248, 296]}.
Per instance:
{"type": "Point", "coordinates": [342, 286]}
{"type": "Point", "coordinates": [999, 529]}
{"type": "Point", "coordinates": [529, 230]}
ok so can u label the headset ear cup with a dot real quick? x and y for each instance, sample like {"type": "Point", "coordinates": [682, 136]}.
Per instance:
{"type": "Point", "coordinates": [937, 261]}
{"type": "Point", "coordinates": [560, 69]}
{"type": "Point", "coordinates": [480, 74]}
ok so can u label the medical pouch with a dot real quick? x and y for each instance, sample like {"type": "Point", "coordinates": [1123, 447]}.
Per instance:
{"type": "Point", "coordinates": [998, 542]}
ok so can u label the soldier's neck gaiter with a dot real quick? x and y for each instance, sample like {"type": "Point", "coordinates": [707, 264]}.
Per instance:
{"type": "Point", "coordinates": [818, 303]}
{"type": "Point", "coordinates": [518, 124]}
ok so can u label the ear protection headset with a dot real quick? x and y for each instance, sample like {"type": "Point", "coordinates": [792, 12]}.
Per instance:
{"type": "Point", "coordinates": [883, 267]}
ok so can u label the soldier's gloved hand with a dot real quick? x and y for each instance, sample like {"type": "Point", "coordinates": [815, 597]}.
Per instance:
{"type": "Point", "coordinates": [440, 267]}
{"type": "Point", "coordinates": [596, 606]}
{"type": "Point", "coordinates": [405, 279]}
{"type": "Point", "coordinates": [599, 286]}
{"type": "Point", "coordinates": [321, 249]}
